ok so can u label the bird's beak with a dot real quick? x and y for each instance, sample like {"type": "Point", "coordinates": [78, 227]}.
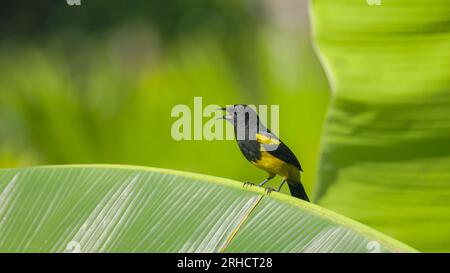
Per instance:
{"type": "Point", "coordinates": [226, 117]}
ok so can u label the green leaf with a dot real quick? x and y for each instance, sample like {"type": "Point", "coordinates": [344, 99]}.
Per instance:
{"type": "Point", "coordinates": [132, 209]}
{"type": "Point", "coordinates": [386, 150]}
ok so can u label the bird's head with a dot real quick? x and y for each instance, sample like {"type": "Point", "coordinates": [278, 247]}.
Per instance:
{"type": "Point", "coordinates": [237, 111]}
{"type": "Point", "coordinates": [242, 115]}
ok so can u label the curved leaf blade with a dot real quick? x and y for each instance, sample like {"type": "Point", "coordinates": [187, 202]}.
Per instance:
{"type": "Point", "coordinates": [386, 155]}
{"type": "Point", "coordinates": [132, 209]}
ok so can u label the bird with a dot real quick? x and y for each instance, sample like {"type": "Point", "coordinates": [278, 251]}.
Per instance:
{"type": "Point", "coordinates": [264, 149]}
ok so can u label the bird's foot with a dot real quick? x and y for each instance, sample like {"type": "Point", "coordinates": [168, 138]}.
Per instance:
{"type": "Point", "coordinates": [248, 184]}
{"type": "Point", "coordinates": [268, 190]}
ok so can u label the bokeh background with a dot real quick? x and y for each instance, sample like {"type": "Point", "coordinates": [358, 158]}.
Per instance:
{"type": "Point", "coordinates": [96, 83]}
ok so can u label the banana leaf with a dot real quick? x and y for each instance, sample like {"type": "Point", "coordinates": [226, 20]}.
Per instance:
{"type": "Point", "coordinates": [134, 209]}
{"type": "Point", "coordinates": [385, 157]}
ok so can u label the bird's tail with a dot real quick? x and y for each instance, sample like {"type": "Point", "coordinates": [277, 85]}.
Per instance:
{"type": "Point", "coordinates": [297, 190]}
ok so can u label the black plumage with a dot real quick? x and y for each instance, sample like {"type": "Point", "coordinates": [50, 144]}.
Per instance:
{"type": "Point", "coordinates": [265, 150]}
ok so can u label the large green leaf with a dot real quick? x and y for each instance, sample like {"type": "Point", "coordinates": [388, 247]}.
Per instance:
{"type": "Point", "coordinates": [386, 151]}
{"type": "Point", "coordinates": [131, 209]}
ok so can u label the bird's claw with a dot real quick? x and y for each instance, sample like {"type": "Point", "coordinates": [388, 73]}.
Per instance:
{"type": "Point", "coordinates": [269, 190]}
{"type": "Point", "coordinates": [247, 184]}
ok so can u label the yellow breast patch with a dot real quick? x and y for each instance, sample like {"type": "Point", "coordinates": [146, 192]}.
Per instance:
{"type": "Point", "coordinates": [274, 165]}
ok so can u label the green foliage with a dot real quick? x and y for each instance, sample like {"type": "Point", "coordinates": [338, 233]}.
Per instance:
{"type": "Point", "coordinates": [127, 209]}
{"type": "Point", "coordinates": [386, 151]}
{"type": "Point", "coordinates": [30, 19]}
{"type": "Point", "coordinates": [85, 100]}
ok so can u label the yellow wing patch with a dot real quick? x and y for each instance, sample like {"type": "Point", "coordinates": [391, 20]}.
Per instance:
{"type": "Point", "coordinates": [263, 139]}
{"type": "Point", "coordinates": [267, 143]}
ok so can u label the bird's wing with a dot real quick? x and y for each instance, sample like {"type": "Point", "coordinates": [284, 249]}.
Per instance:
{"type": "Point", "coordinates": [285, 154]}
{"type": "Point", "coordinates": [273, 145]}
{"type": "Point", "coordinates": [250, 149]}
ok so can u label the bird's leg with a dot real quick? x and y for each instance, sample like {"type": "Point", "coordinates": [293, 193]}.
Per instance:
{"type": "Point", "coordinates": [266, 180]}
{"type": "Point", "coordinates": [281, 185]}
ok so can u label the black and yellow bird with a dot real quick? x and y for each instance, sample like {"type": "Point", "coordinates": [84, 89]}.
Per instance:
{"type": "Point", "coordinates": [264, 149]}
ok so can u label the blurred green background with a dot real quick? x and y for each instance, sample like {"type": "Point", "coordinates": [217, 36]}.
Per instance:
{"type": "Point", "coordinates": [96, 83]}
